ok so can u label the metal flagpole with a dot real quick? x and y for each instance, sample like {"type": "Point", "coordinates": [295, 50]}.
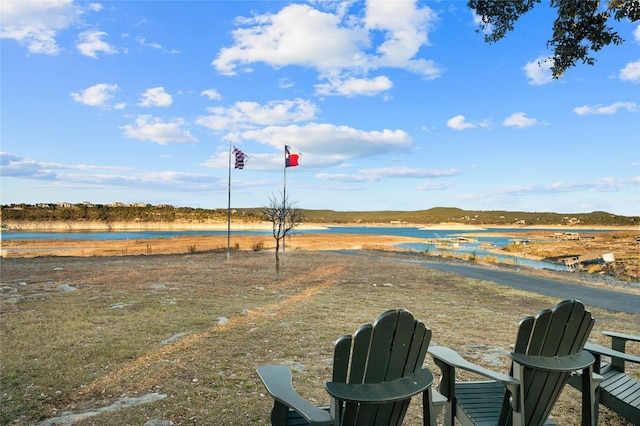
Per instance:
{"type": "Point", "coordinates": [229, 210]}
{"type": "Point", "coordinates": [284, 200]}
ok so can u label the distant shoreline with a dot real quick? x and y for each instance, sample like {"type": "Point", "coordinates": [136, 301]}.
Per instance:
{"type": "Point", "coordinates": [57, 226]}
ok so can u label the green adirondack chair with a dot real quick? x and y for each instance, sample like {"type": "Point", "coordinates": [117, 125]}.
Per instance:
{"type": "Point", "coordinates": [375, 373]}
{"type": "Point", "coordinates": [548, 348]}
{"type": "Point", "coordinates": [618, 391]}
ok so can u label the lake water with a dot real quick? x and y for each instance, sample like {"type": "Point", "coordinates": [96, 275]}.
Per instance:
{"type": "Point", "coordinates": [464, 247]}
{"type": "Point", "coordinates": [392, 230]}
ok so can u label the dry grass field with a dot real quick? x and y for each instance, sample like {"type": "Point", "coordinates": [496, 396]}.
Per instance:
{"type": "Point", "coordinates": [81, 333]}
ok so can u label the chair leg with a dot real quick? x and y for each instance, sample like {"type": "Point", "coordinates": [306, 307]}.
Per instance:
{"type": "Point", "coordinates": [428, 415]}
{"type": "Point", "coordinates": [432, 403]}
{"type": "Point", "coordinates": [590, 396]}
{"type": "Point", "coordinates": [279, 414]}
{"type": "Point", "coordinates": [446, 388]}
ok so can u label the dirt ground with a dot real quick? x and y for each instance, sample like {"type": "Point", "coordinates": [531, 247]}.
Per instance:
{"type": "Point", "coordinates": [81, 333]}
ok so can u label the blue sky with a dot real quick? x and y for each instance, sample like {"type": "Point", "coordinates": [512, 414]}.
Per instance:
{"type": "Point", "coordinates": [393, 105]}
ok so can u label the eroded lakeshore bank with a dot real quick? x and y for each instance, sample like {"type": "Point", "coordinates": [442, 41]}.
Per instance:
{"type": "Point", "coordinates": [79, 226]}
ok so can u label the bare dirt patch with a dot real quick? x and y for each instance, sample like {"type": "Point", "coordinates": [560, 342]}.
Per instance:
{"type": "Point", "coordinates": [195, 327]}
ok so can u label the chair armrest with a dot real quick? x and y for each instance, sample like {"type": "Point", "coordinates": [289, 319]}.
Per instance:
{"type": "Point", "coordinates": [277, 381]}
{"type": "Point", "coordinates": [602, 350]}
{"type": "Point", "coordinates": [451, 357]}
{"type": "Point", "coordinates": [622, 336]}
{"type": "Point", "coordinates": [573, 362]}
{"type": "Point", "coordinates": [384, 392]}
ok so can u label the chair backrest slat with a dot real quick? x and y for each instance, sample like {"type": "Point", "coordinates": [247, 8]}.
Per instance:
{"type": "Point", "coordinates": [341, 357]}
{"type": "Point", "coordinates": [419, 347]}
{"type": "Point", "coordinates": [378, 360]}
{"type": "Point", "coordinates": [393, 347]}
{"type": "Point", "coordinates": [359, 352]}
{"type": "Point", "coordinates": [539, 333]}
{"type": "Point", "coordinates": [399, 352]}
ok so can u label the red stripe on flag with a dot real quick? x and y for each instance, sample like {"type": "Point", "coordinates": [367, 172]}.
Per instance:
{"type": "Point", "coordinates": [240, 158]}
{"type": "Point", "coordinates": [290, 157]}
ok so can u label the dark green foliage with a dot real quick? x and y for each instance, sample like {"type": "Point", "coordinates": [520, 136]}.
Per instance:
{"type": "Point", "coordinates": [580, 28]}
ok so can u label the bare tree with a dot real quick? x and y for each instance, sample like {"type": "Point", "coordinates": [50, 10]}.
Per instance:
{"type": "Point", "coordinates": [284, 217]}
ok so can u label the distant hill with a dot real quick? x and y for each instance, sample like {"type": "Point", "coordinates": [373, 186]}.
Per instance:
{"type": "Point", "coordinates": [165, 213]}
{"type": "Point", "coordinates": [456, 215]}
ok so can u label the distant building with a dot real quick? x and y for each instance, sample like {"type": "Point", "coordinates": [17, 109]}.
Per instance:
{"type": "Point", "coordinates": [521, 241]}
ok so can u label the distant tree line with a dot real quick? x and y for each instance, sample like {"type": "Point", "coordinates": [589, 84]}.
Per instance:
{"type": "Point", "coordinates": [167, 213]}
{"type": "Point", "coordinates": [115, 213]}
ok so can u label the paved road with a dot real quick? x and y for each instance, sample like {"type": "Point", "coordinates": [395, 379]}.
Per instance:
{"type": "Point", "coordinates": [601, 298]}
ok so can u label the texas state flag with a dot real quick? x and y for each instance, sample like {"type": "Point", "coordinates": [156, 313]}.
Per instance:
{"type": "Point", "coordinates": [290, 157]}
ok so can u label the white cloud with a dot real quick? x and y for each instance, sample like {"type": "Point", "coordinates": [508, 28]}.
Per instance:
{"type": "Point", "coordinates": [296, 35]}
{"type": "Point", "coordinates": [15, 166]}
{"type": "Point", "coordinates": [519, 119]}
{"type": "Point", "coordinates": [340, 46]}
{"type": "Point", "coordinates": [459, 122]}
{"type": "Point", "coordinates": [35, 24]}
{"type": "Point", "coordinates": [251, 114]}
{"type": "Point", "coordinates": [408, 172]}
{"type": "Point", "coordinates": [405, 30]}
{"type": "Point", "coordinates": [433, 186]}
{"type": "Point", "coordinates": [606, 184]}
{"type": "Point", "coordinates": [90, 43]}
{"type": "Point", "coordinates": [155, 130]}
{"type": "Point", "coordinates": [636, 33]}
{"type": "Point", "coordinates": [355, 86]}
{"type": "Point", "coordinates": [328, 144]}
{"type": "Point", "coordinates": [377, 174]}
{"type": "Point", "coordinates": [285, 83]}
{"type": "Point", "coordinates": [90, 176]}
{"type": "Point", "coordinates": [96, 95]}
{"type": "Point", "coordinates": [631, 72]}
{"type": "Point", "coordinates": [342, 177]}
{"type": "Point", "coordinates": [539, 71]}
{"type": "Point", "coordinates": [211, 94]}
{"type": "Point", "coordinates": [606, 109]}
{"type": "Point", "coordinates": [156, 97]}
{"type": "Point", "coordinates": [143, 41]}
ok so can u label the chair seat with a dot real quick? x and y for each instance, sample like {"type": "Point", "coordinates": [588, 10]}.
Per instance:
{"type": "Point", "coordinates": [620, 391]}
{"type": "Point", "coordinates": [482, 401]}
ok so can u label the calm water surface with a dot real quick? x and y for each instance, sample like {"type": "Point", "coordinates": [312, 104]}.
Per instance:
{"type": "Point", "coordinates": [398, 231]}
